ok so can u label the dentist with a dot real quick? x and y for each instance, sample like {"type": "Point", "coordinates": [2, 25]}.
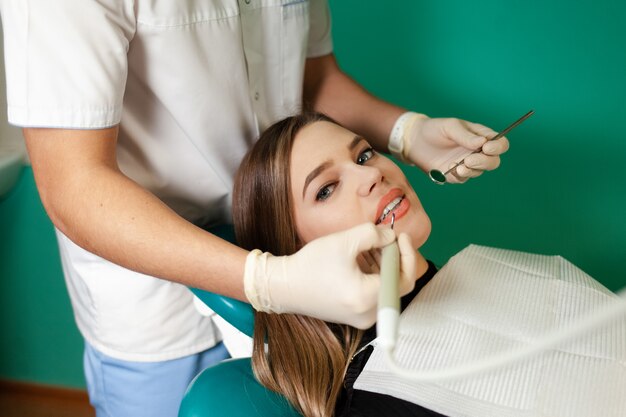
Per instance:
{"type": "Point", "coordinates": [136, 114]}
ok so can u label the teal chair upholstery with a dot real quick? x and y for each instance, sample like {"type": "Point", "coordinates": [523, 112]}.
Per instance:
{"type": "Point", "coordinates": [229, 389]}
{"type": "Point", "coordinates": [236, 312]}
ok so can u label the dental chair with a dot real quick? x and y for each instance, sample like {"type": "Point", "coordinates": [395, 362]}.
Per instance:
{"type": "Point", "coordinates": [229, 388]}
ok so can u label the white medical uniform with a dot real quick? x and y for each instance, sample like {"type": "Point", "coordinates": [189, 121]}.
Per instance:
{"type": "Point", "coordinates": [191, 83]}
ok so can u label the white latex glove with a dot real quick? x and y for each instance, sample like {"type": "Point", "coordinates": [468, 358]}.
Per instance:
{"type": "Point", "coordinates": [323, 279]}
{"type": "Point", "coordinates": [441, 142]}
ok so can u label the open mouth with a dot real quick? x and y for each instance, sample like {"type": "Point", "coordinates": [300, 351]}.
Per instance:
{"type": "Point", "coordinates": [389, 208]}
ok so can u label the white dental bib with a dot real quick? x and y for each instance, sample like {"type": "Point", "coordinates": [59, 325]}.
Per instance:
{"type": "Point", "coordinates": [486, 301]}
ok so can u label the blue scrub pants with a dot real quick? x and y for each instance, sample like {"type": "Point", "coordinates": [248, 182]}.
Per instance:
{"type": "Point", "coordinates": [120, 388]}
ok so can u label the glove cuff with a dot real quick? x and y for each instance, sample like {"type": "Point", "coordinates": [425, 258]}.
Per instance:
{"type": "Point", "coordinates": [255, 284]}
{"type": "Point", "coordinates": [399, 142]}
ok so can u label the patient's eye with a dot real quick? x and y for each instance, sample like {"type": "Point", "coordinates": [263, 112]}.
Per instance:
{"type": "Point", "coordinates": [325, 192]}
{"type": "Point", "coordinates": [365, 156]}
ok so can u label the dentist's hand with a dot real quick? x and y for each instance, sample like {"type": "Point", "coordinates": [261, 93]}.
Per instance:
{"type": "Point", "coordinates": [323, 279]}
{"type": "Point", "coordinates": [441, 142]}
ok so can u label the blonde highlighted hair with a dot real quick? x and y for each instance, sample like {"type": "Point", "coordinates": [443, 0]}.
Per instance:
{"type": "Point", "coordinates": [305, 359]}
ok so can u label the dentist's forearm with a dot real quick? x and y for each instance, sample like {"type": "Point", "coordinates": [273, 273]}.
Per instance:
{"type": "Point", "coordinates": [103, 211]}
{"type": "Point", "coordinates": [327, 89]}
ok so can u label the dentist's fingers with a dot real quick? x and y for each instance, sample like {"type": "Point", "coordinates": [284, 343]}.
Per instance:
{"type": "Point", "coordinates": [462, 172]}
{"type": "Point", "coordinates": [488, 159]}
{"type": "Point", "coordinates": [366, 236]}
{"type": "Point", "coordinates": [482, 161]}
{"type": "Point", "coordinates": [475, 164]}
{"type": "Point", "coordinates": [461, 133]}
{"type": "Point", "coordinates": [491, 147]}
{"type": "Point", "coordinates": [496, 147]}
{"type": "Point", "coordinates": [481, 130]}
{"type": "Point", "coordinates": [407, 264]}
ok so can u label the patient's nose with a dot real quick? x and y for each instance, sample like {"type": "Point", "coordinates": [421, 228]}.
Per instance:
{"type": "Point", "coordinates": [369, 179]}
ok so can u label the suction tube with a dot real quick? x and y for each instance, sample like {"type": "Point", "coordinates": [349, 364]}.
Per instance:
{"type": "Point", "coordinates": [389, 297]}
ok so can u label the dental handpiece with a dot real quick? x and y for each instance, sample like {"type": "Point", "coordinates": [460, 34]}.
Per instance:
{"type": "Point", "coordinates": [389, 297]}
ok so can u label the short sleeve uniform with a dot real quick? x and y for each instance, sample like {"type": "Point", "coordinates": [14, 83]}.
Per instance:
{"type": "Point", "coordinates": [191, 84]}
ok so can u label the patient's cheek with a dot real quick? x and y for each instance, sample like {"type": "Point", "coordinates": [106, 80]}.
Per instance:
{"type": "Point", "coordinates": [420, 233]}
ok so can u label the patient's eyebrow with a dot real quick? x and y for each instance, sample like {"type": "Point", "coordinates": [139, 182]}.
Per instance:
{"type": "Point", "coordinates": [317, 171]}
{"type": "Point", "coordinates": [357, 139]}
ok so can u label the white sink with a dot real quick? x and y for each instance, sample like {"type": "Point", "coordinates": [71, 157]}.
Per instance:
{"type": "Point", "coordinates": [11, 163]}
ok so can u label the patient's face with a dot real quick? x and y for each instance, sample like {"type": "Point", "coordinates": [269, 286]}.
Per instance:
{"type": "Point", "coordinates": [339, 181]}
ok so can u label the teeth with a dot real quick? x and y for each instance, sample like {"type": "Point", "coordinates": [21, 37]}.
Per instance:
{"type": "Point", "coordinates": [389, 208]}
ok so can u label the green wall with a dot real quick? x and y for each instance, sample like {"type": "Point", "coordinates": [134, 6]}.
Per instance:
{"type": "Point", "coordinates": [561, 188]}
{"type": "Point", "coordinates": [40, 341]}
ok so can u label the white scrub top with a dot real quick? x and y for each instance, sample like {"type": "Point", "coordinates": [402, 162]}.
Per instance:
{"type": "Point", "coordinates": [191, 83]}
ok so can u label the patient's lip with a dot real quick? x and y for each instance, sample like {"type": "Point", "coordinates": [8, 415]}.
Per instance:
{"type": "Point", "coordinates": [388, 198]}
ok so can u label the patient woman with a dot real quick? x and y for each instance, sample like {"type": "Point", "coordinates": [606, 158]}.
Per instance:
{"type": "Point", "coordinates": [308, 177]}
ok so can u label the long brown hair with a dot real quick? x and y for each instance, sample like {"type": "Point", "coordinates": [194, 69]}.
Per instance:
{"type": "Point", "coordinates": [306, 358]}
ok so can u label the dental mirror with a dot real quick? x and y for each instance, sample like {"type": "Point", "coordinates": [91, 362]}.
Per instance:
{"type": "Point", "coordinates": [439, 177]}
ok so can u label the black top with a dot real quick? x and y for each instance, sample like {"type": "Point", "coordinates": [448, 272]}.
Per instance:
{"type": "Point", "coordinates": [357, 403]}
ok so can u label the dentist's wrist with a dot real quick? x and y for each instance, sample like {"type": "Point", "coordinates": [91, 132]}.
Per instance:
{"type": "Point", "coordinates": [400, 138]}
{"type": "Point", "coordinates": [254, 282]}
